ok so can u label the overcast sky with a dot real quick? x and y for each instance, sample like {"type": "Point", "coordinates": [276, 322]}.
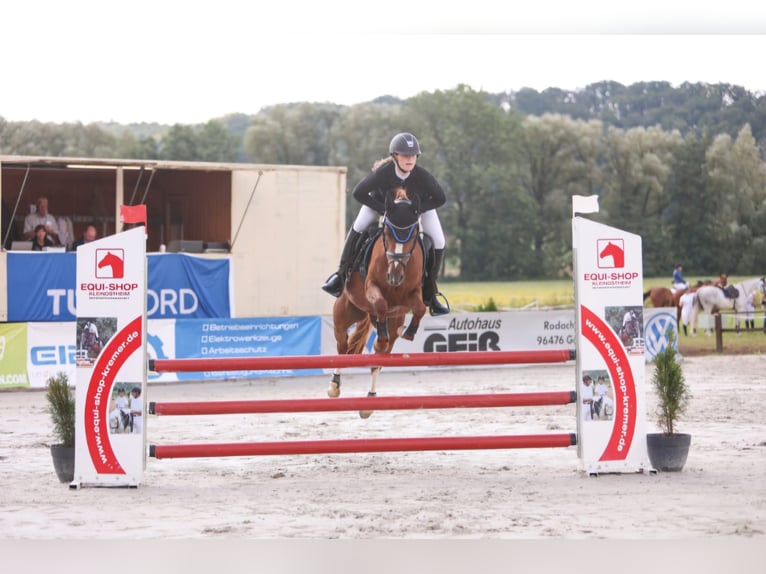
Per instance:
{"type": "Point", "coordinates": [188, 62]}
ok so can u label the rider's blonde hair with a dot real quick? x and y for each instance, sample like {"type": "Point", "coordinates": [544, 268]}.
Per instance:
{"type": "Point", "coordinates": [381, 161]}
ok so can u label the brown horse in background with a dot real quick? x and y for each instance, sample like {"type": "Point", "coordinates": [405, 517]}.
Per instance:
{"type": "Point", "coordinates": [664, 297]}
{"type": "Point", "coordinates": [391, 289]}
{"type": "Point", "coordinates": [661, 296]}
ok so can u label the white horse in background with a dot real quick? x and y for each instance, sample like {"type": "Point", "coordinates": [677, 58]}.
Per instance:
{"type": "Point", "coordinates": [711, 299]}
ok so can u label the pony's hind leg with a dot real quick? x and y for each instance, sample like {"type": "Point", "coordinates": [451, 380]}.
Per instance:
{"type": "Point", "coordinates": [333, 390]}
{"type": "Point", "coordinates": [344, 315]}
{"type": "Point", "coordinates": [365, 414]}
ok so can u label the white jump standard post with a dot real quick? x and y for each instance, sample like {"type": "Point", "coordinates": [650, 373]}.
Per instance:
{"type": "Point", "coordinates": [608, 268]}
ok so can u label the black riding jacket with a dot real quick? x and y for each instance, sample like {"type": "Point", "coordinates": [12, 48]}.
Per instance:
{"type": "Point", "coordinates": [372, 190]}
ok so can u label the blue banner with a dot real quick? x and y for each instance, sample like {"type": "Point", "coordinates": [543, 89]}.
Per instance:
{"type": "Point", "coordinates": [185, 287]}
{"type": "Point", "coordinates": [41, 287]}
{"type": "Point", "coordinates": [257, 337]}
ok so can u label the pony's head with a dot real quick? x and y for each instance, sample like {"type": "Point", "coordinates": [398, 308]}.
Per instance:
{"type": "Point", "coordinates": [400, 225]}
{"type": "Point", "coordinates": [402, 212]}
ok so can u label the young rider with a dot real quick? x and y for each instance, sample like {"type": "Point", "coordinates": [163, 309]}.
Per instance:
{"type": "Point", "coordinates": [399, 169]}
{"type": "Point", "coordinates": [678, 278]}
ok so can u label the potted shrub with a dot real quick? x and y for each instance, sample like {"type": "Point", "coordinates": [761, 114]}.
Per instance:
{"type": "Point", "coordinates": [61, 406]}
{"type": "Point", "coordinates": [668, 449]}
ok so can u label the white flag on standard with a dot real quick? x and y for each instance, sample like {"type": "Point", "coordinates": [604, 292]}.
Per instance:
{"type": "Point", "coordinates": [584, 204]}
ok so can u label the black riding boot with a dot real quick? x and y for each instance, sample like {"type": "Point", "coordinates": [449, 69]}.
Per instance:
{"type": "Point", "coordinates": [335, 282]}
{"type": "Point", "coordinates": [431, 292]}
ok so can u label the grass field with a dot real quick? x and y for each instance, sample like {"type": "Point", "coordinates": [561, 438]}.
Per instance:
{"type": "Point", "coordinates": [559, 294]}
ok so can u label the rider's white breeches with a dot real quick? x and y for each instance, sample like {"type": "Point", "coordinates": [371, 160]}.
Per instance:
{"type": "Point", "coordinates": [429, 221]}
{"type": "Point", "coordinates": [433, 228]}
{"type": "Point", "coordinates": [366, 217]}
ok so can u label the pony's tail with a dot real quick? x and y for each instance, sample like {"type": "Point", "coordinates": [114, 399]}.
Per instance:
{"type": "Point", "coordinates": [696, 308]}
{"type": "Point", "coordinates": [646, 294]}
{"type": "Point", "coordinates": [359, 336]}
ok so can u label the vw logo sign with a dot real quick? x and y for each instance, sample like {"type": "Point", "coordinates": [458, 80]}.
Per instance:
{"type": "Point", "coordinates": [656, 332]}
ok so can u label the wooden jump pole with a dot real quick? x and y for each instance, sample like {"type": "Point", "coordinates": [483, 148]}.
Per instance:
{"type": "Point", "coordinates": [369, 360]}
{"type": "Point", "coordinates": [362, 445]}
{"type": "Point", "coordinates": [364, 403]}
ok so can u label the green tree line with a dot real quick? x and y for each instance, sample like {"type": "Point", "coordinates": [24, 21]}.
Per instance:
{"type": "Point", "coordinates": [682, 167]}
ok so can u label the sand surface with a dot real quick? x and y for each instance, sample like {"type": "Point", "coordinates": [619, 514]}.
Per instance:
{"type": "Point", "coordinates": [456, 511]}
{"type": "Point", "coordinates": [496, 494]}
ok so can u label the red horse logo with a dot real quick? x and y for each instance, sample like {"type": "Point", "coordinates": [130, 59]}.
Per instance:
{"type": "Point", "coordinates": [113, 261]}
{"type": "Point", "coordinates": [614, 250]}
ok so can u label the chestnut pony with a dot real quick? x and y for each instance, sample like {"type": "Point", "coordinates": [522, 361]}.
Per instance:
{"type": "Point", "coordinates": [391, 289]}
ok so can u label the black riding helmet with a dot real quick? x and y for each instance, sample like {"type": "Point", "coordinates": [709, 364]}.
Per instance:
{"type": "Point", "coordinates": [404, 143]}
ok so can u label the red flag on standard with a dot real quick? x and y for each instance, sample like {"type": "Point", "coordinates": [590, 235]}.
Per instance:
{"type": "Point", "coordinates": [133, 214]}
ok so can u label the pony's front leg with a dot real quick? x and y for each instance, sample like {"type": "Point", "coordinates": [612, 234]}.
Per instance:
{"type": "Point", "coordinates": [381, 326]}
{"type": "Point", "coordinates": [379, 312]}
{"type": "Point", "coordinates": [383, 339]}
{"type": "Point", "coordinates": [418, 311]}
{"type": "Point", "coordinates": [365, 414]}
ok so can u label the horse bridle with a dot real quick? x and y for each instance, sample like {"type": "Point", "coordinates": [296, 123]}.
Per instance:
{"type": "Point", "coordinates": [401, 236]}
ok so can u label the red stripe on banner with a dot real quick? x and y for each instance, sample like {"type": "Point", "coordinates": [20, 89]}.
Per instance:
{"type": "Point", "coordinates": [611, 349]}
{"type": "Point", "coordinates": [121, 346]}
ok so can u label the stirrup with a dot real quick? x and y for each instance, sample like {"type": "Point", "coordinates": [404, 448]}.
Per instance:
{"type": "Point", "coordinates": [435, 307]}
{"type": "Point", "coordinates": [333, 285]}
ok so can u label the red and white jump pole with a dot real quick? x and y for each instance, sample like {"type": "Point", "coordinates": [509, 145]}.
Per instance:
{"type": "Point", "coordinates": [370, 360]}
{"type": "Point", "coordinates": [364, 403]}
{"type": "Point", "coordinates": [362, 445]}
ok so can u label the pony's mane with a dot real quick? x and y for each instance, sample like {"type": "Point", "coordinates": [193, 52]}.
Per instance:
{"type": "Point", "coordinates": [400, 193]}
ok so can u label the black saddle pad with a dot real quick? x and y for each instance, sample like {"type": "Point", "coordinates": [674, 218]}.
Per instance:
{"type": "Point", "coordinates": [731, 292]}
